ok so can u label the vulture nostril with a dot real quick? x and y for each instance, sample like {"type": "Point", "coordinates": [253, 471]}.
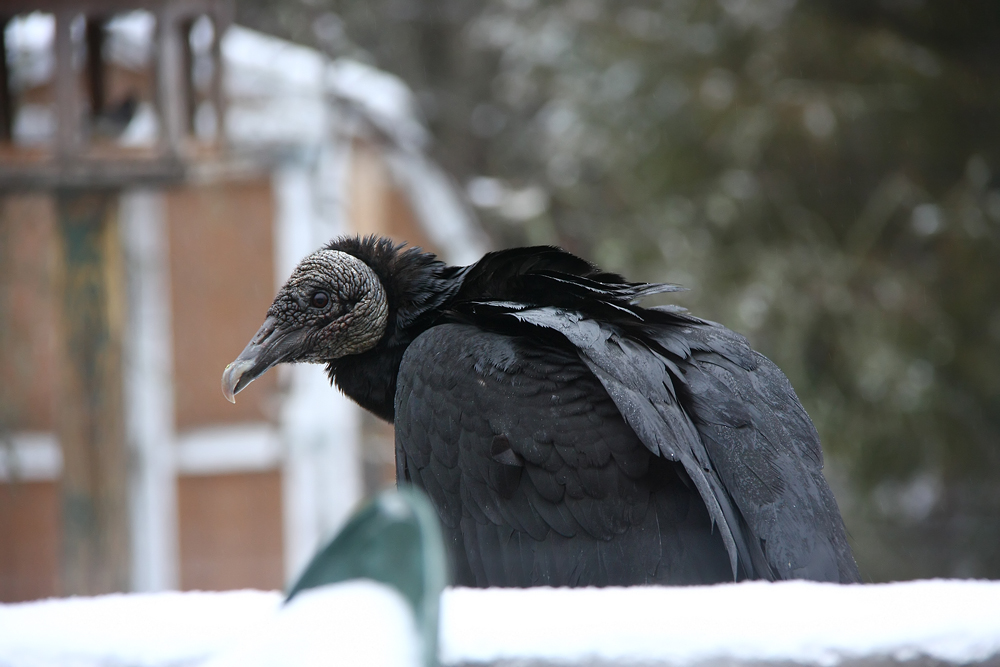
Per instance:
{"type": "Point", "coordinates": [263, 333]}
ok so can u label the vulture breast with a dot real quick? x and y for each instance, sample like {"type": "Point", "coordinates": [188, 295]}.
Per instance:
{"type": "Point", "coordinates": [537, 477]}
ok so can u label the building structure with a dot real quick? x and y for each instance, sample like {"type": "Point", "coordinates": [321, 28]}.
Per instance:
{"type": "Point", "coordinates": [277, 150]}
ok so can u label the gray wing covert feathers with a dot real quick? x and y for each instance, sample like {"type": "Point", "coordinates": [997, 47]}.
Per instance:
{"type": "Point", "coordinates": [767, 453]}
{"type": "Point", "coordinates": [695, 392]}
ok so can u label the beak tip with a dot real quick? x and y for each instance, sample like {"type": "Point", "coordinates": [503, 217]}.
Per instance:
{"type": "Point", "coordinates": [264, 350]}
{"type": "Point", "coordinates": [230, 382]}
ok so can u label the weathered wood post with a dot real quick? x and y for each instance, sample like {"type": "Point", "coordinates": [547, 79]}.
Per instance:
{"type": "Point", "coordinates": [86, 174]}
{"type": "Point", "coordinates": [6, 120]}
{"type": "Point", "coordinates": [89, 418]}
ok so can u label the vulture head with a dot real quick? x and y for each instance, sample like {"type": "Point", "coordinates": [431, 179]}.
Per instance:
{"type": "Point", "coordinates": [332, 306]}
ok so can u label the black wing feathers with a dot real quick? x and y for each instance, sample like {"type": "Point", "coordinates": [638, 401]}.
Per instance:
{"type": "Point", "coordinates": [696, 393]}
{"type": "Point", "coordinates": [551, 482]}
{"type": "Point", "coordinates": [602, 442]}
{"type": "Point", "coordinates": [551, 276]}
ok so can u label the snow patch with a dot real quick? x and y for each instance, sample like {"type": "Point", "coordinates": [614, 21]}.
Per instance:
{"type": "Point", "coordinates": [382, 98]}
{"type": "Point", "coordinates": [798, 621]}
{"type": "Point", "coordinates": [354, 623]}
{"type": "Point", "coordinates": [139, 629]}
{"type": "Point", "coordinates": [367, 623]}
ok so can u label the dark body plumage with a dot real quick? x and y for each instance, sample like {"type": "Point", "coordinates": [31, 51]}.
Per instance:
{"type": "Point", "coordinates": [567, 436]}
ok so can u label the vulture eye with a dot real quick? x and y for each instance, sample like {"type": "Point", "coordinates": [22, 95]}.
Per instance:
{"type": "Point", "coordinates": [320, 299]}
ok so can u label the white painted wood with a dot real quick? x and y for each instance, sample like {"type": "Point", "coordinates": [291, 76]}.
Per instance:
{"type": "Point", "coordinates": [149, 393]}
{"type": "Point", "coordinates": [67, 91]}
{"type": "Point", "coordinates": [236, 448]}
{"type": "Point", "coordinates": [30, 457]}
{"type": "Point", "coordinates": [171, 88]}
{"type": "Point", "coordinates": [320, 428]}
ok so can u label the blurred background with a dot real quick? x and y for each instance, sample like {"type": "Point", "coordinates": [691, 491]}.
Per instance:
{"type": "Point", "coordinates": [823, 176]}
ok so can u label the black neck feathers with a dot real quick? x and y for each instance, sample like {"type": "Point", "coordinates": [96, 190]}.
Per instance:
{"type": "Point", "coordinates": [422, 291]}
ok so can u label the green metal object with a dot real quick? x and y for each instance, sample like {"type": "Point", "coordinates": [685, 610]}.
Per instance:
{"type": "Point", "coordinates": [395, 540]}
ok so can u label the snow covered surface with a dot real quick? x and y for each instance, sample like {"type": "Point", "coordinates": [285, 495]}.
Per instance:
{"type": "Point", "coordinates": [800, 622]}
{"type": "Point", "coordinates": [354, 623]}
{"type": "Point", "coordinates": [143, 629]}
{"type": "Point", "coordinates": [806, 622]}
{"type": "Point", "coordinates": [274, 90]}
{"type": "Point", "coordinates": [361, 622]}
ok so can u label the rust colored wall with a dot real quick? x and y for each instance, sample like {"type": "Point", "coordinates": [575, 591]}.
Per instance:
{"type": "Point", "coordinates": [377, 205]}
{"type": "Point", "coordinates": [222, 282]}
{"type": "Point", "coordinates": [221, 263]}
{"type": "Point", "coordinates": [401, 223]}
{"type": "Point", "coordinates": [29, 541]}
{"type": "Point", "coordinates": [231, 531]}
{"type": "Point", "coordinates": [27, 312]}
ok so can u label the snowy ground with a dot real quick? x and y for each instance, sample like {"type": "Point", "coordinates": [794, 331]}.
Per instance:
{"type": "Point", "coordinates": [799, 622]}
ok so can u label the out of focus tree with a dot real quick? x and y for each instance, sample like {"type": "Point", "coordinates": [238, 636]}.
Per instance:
{"type": "Point", "coordinates": [823, 176]}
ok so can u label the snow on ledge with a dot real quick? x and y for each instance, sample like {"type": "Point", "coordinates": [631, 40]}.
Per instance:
{"type": "Point", "coordinates": [792, 622]}
{"type": "Point", "coordinates": [138, 629]}
{"type": "Point", "coordinates": [795, 621]}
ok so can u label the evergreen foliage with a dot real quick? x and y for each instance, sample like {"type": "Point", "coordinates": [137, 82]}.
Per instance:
{"type": "Point", "coordinates": [824, 176]}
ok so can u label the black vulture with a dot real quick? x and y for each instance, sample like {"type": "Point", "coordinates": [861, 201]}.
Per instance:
{"type": "Point", "coordinates": [565, 435]}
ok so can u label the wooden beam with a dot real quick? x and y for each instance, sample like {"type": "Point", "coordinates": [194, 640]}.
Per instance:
{"type": "Point", "coordinates": [104, 6]}
{"type": "Point", "coordinates": [6, 107]}
{"type": "Point", "coordinates": [95, 64]}
{"type": "Point", "coordinates": [220, 23]}
{"type": "Point", "coordinates": [19, 175]}
{"type": "Point", "coordinates": [89, 414]}
{"type": "Point", "coordinates": [67, 93]}
{"type": "Point", "coordinates": [187, 73]}
{"type": "Point", "coordinates": [171, 96]}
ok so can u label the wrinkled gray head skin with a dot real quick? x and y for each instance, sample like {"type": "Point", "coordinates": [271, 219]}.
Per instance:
{"type": "Point", "coordinates": [351, 318]}
{"type": "Point", "coordinates": [332, 306]}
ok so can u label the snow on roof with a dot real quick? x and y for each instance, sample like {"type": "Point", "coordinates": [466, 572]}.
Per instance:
{"type": "Point", "coordinates": [282, 96]}
{"type": "Point", "coordinates": [277, 91]}
{"type": "Point", "coordinates": [382, 98]}
{"type": "Point", "coordinates": [274, 90]}
{"type": "Point", "coordinates": [131, 39]}
{"type": "Point", "coordinates": [794, 622]}
{"type": "Point", "coordinates": [281, 66]}
{"type": "Point", "coordinates": [29, 48]}
{"type": "Point", "coordinates": [30, 37]}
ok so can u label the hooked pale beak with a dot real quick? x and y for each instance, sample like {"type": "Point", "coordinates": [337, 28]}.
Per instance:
{"type": "Point", "coordinates": [269, 346]}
